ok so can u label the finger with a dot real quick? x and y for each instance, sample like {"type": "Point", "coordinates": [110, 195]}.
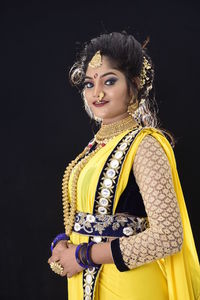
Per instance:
{"type": "Point", "coordinates": [60, 246]}
{"type": "Point", "coordinates": [53, 258]}
{"type": "Point", "coordinates": [69, 275]}
{"type": "Point", "coordinates": [50, 260]}
{"type": "Point", "coordinates": [56, 258]}
{"type": "Point", "coordinates": [64, 273]}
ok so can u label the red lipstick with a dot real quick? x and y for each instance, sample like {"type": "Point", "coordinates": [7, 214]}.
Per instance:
{"type": "Point", "coordinates": [100, 103]}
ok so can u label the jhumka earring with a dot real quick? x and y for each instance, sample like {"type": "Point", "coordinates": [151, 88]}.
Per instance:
{"type": "Point", "coordinates": [96, 60]}
{"type": "Point", "coordinates": [132, 107]}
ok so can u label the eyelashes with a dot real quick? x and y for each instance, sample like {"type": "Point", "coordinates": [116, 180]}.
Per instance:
{"type": "Point", "coordinates": [88, 84]}
{"type": "Point", "coordinates": [108, 82]}
{"type": "Point", "coordinates": [111, 81]}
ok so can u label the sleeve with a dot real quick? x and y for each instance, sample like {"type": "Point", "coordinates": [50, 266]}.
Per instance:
{"type": "Point", "coordinates": [165, 235]}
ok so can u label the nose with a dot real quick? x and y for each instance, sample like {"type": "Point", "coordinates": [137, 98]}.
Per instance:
{"type": "Point", "coordinates": [97, 90]}
{"type": "Point", "coordinates": [101, 95]}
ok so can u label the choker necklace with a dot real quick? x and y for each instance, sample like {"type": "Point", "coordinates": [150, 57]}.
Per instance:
{"type": "Point", "coordinates": [109, 131]}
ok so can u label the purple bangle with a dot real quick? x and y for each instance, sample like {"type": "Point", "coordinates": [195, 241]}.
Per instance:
{"type": "Point", "coordinates": [77, 256]}
{"type": "Point", "coordinates": [90, 262]}
{"type": "Point", "coordinates": [82, 255]}
{"type": "Point", "coordinates": [59, 237]}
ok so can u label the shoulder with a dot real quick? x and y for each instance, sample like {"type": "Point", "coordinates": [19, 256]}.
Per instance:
{"type": "Point", "coordinates": [150, 144]}
{"type": "Point", "coordinates": [150, 152]}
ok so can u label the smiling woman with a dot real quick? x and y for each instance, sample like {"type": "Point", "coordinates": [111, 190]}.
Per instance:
{"type": "Point", "coordinates": [112, 83]}
{"type": "Point", "coordinates": [122, 200]}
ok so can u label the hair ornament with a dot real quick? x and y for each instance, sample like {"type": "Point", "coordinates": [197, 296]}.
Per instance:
{"type": "Point", "coordinates": [142, 101]}
{"type": "Point", "coordinates": [143, 75]}
{"type": "Point", "coordinates": [76, 74]}
{"type": "Point", "coordinates": [96, 60]}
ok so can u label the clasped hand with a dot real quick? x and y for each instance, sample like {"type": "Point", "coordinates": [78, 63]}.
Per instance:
{"type": "Point", "coordinates": [64, 253]}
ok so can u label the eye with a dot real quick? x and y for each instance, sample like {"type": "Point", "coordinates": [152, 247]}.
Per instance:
{"type": "Point", "coordinates": [88, 84]}
{"type": "Point", "coordinates": [110, 81]}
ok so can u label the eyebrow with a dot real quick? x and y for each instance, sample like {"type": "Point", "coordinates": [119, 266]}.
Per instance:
{"type": "Point", "coordinates": [108, 73]}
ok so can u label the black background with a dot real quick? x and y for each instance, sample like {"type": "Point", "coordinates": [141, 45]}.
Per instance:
{"type": "Point", "coordinates": [43, 125]}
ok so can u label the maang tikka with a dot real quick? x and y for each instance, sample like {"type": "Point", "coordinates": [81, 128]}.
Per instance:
{"type": "Point", "coordinates": [96, 60]}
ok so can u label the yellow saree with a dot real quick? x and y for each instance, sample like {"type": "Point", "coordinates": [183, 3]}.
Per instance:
{"type": "Point", "coordinates": [176, 277]}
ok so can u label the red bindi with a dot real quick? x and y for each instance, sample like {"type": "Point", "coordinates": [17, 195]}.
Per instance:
{"type": "Point", "coordinates": [95, 75]}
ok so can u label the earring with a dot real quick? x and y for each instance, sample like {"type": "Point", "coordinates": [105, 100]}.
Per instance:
{"type": "Point", "coordinates": [139, 112]}
{"type": "Point", "coordinates": [132, 107]}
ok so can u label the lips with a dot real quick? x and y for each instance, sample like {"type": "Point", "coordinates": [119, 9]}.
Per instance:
{"type": "Point", "coordinates": [100, 103]}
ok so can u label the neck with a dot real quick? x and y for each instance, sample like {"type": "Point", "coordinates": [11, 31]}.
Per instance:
{"type": "Point", "coordinates": [113, 120]}
{"type": "Point", "coordinates": [108, 131]}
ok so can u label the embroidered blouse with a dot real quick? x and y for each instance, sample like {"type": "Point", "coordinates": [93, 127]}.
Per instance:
{"type": "Point", "coordinates": [164, 236]}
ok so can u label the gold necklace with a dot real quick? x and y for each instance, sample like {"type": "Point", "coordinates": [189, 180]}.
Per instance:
{"type": "Point", "coordinates": [107, 132]}
{"type": "Point", "coordinates": [69, 207]}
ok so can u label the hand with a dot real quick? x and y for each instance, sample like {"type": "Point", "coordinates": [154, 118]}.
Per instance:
{"type": "Point", "coordinates": [64, 253]}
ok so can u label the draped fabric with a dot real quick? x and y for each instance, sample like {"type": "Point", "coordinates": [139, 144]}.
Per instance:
{"type": "Point", "coordinates": [175, 277]}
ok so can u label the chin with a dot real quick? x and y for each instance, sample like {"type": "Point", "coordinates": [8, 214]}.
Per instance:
{"type": "Point", "coordinates": [101, 116]}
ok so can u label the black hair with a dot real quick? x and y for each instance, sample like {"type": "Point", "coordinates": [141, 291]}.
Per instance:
{"type": "Point", "coordinates": [124, 52]}
{"type": "Point", "coordinates": [130, 57]}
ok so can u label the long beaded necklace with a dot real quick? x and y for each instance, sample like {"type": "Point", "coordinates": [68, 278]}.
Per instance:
{"type": "Point", "coordinates": [69, 207]}
{"type": "Point", "coordinates": [106, 133]}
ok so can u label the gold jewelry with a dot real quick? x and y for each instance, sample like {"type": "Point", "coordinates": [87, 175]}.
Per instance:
{"type": "Point", "coordinates": [101, 95]}
{"type": "Point", "coordinates": [132, 108]}
{"type": "Point", "coordinates": [76, 166]}
{"type": "Point", "coordinates": [96, 60]}
{"type": "Point", "coordinates": [107, 132]}
{"type": "Point", "coordinates": [139, 111]}
{"type": "Point", "coordinates": [143, 75]}
{"type": "Point", "coordinates": [57, 267]}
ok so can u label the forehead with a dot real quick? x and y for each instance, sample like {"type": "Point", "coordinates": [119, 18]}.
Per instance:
{"type": "Point", "coordinates": [105, 67]}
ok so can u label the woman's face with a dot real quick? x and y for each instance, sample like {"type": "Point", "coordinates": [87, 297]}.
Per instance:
{"type": "Point", "coordinates": [112, 83]}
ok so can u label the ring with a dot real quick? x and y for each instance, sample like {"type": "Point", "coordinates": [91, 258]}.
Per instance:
{"type": "Point", "coordinates": [56, 267]}
{"type": "Point", "coordinates": [101, 95]}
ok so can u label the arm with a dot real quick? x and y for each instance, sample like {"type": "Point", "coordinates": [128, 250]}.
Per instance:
{"type": "Point", "coordinates": [164, 235]}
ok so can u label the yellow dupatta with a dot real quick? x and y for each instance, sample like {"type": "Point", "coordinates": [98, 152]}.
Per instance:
{"type": "Point", "coordinates": [182, 269]}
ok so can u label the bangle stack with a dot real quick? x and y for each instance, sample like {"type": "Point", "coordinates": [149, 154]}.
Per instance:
{"type": "Point", "coordinates": [59, 237]}
{"type": "Point", "coordinates": [83, 255]}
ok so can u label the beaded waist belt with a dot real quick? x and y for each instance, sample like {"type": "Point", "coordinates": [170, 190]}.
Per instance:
{"type": "Point", "coordinates": [109, 225]}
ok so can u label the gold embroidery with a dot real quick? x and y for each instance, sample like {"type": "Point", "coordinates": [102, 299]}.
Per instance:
{"type": "Point", "coordinates": [164, 235]}
{"type": "Point", "coordinates": [98, 224]}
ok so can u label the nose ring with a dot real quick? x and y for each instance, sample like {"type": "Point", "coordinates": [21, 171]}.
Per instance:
{"type": "Point", "coordinates": [101, 95]}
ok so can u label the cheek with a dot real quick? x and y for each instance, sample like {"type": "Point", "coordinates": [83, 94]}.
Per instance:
{"type": "Point", "coordinates": [121, 97]}
{"type": "Point", "coordinates": [87, 96]}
